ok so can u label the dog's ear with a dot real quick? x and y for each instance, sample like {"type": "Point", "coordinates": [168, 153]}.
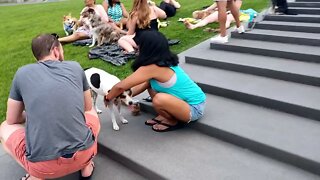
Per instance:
{"type": "Point", "coordinates": [129, 92]}
{"type": "Point", "coordinates": [95, 80]}
{"type": "Point", "coordinates": [91, 11]}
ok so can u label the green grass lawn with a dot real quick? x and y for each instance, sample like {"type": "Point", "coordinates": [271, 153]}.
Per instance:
{"type": "Point", "coordinates": [19, 24]}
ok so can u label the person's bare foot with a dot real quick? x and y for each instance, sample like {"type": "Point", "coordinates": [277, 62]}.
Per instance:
{"type": "Point", "coordinates": [188, 24]}
{"type": "Point", "coordinates": [164, 125]}
{"type": "Point", "coordinates": [155, 120]}
{"type": "Point", "coordinates": [88, 170]}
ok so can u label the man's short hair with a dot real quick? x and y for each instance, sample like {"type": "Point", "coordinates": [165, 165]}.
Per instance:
{"type": "Point", "coordinates": [42, 45]}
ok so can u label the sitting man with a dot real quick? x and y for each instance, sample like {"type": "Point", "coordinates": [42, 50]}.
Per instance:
{"type": "Point", "coordinates": [52, 98]}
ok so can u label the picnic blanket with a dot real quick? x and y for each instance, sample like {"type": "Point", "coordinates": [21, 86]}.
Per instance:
{"type": "Point", "coordinates": [112, 53]}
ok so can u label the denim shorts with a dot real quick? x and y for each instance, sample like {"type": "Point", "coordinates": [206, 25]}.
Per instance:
{"type": "Point", "coordinates": [196, 111]}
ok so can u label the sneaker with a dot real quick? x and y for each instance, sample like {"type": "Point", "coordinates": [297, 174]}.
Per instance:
{"type": "Point", "coordinates": [240, 29]}
{"type": "Point", "coordinates": [219, 39]}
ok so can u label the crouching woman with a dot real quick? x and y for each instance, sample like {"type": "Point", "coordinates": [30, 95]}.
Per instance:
{"type": "Point", "coordinates": [176, 98]}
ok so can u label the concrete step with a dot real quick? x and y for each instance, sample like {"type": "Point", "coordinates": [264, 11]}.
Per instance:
{"type": "Point", "coordinates": [289, 26]}
{"type": "Point", "coordinates": [304, 10]}
{"type": "Point", "coordinates": [311, 39]}
{"type": "Point", "coordinates": [188, 154]}
{"type": "Point", "coordinates": [306, 18]}
{"type": "Point", "coordinates": [271, 49]}
{"type": "Point", "coordinates": [254, 128]}
{"type": "Point", "coordinates": [294, 98]}
{"type": "Point", "coordinates": [106, 168]}
{"type": "Point", "coordinates": [304, 4]}
{"type": "Point", "coordinates": [278, 68]}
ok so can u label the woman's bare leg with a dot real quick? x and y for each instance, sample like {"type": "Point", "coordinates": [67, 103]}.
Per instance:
{"type": "Point", "coordinates": [171, 108]}
{"type": "Point", "coordinates": [234, 8]}
{"type": "Point", "coordinates": [127, 43]}
{"type": "Point", "coordinates": [209, 19]}
{"type": "Point", "coordinates": [74, 37]}
{"type": "Point", "coordinates": [222, 17]}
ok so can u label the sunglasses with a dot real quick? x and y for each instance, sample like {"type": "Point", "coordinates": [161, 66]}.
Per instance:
{"type": "Point", "coordinates": [55, 39]}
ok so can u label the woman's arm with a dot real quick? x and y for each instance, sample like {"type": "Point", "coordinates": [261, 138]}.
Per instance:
{"type": "Point", "coordinates": [124, 11]}
{"type": "Point", "coordinates": [140, 76]}
{"type": "Point", "coordinates": [159, 12]}
{"type": "Point", "coordinates": [102, 13]}
{"type": "Point", "coordinates": [105, 5]}
{"type": "Point", "coordinates": [140, 88]}
{"type": "Point", "coordinates": [131, 25]}
{"type": "Point", "coordinates": [212, 7]}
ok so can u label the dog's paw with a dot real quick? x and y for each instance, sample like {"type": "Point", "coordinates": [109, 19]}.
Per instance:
{"type": "Point", "coordinates": [124, 121]}
{"type": "Point", "coordinates": [116, 127]}
{"type": "Point", "coordinates": [91, 45]}
{"type": "Point", "coordinates": [99, 111]}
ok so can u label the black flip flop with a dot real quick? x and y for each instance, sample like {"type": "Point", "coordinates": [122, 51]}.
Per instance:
{"type": "Point", "coordinates": [25, 177]}
{"type": "Point", "coordinates": [170, 127]}
{"type": "Point", "coordinates": [88, 177]}
{"type": "Point", "coordinates": [151, 124]}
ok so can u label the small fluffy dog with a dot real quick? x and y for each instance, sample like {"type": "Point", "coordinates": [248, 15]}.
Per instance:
{"type": "Point", "coordinates": [70, 24]}
{"type": "Point", "coordinates": [100, 83]}
{"type": "Point", "coordinates": [101, 31]}
{"type": "Point", "coordinates": [201, 14]}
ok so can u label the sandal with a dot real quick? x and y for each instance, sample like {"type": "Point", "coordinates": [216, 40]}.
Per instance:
{"type": "Point", "coordinates": [25, 177]}
{"type": "Point", "coordinates": [155, 121]}
{"type": "Point", "coordinates": [169, 127]}
{"type": "Point", "coordinates": [88, 177]}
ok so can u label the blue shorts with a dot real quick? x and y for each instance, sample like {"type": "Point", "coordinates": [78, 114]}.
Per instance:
{"type": "Point", "coordinates": [196, 111]}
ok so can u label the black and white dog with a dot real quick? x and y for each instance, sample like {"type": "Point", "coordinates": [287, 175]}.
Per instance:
{"type": "Point", "coordinates": [101, 83]}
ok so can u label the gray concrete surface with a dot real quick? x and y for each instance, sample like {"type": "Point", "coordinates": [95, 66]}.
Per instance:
{"type": "Point", "coordinates": [312, 39]}
{"type": "Point", "coordinates": [105, 169]}
{"type": "Point", "coordinates": [189, 154]}
{"type": "Point", "coordinates": [289, 26]}
{"type": "Point", "coordinates": [294, 18]}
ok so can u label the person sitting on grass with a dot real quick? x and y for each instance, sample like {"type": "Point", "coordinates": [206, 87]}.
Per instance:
{"type": "Point", "coordinates": [176, 98]}
{"type": "Point", "coordinates": [116, 11]}
{"type": "Point", "coordinates": [143, 17]}
{"type": "Point", "coordinates": [83, 32]}
{"type": "Point", "coordinates": [170, 7]}
{"type": "Point", "coordinates": [213, 17]}
{"type": "Point", "coordinates": [51, 129]}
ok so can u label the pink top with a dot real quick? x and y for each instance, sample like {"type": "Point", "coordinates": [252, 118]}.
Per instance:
{"type": "Point", "coordinates": [100, 11]}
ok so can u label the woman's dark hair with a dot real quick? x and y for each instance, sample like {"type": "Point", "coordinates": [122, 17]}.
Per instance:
{"type": "Point", "coordinates": [154, 49]}
{"type": "Point", "coordinates": [110, 3]}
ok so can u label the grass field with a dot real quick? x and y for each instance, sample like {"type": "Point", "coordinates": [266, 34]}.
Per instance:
{"type": "Point", "coordinates": [20, 23]}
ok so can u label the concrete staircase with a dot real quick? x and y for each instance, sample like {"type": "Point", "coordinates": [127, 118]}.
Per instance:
{"type": "Point", "coordinates": [261, 119]}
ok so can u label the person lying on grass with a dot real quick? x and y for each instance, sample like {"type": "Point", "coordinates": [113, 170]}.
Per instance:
{"type": "Point", "coordinates": [212, 17]}
{"type": "Point", "coordinates": [176, 98]}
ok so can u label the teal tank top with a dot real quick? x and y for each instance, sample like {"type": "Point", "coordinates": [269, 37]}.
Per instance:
{"type": "Point", "coordinates": [184, 88]}
{"type": "Point", "coordinates": [115, 12]}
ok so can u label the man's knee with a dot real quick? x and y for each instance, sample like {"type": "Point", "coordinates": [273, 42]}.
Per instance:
{"type": "Point", "coordinates": [6, 130]}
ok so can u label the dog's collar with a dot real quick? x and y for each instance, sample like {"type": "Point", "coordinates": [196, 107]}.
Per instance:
{"type": "Point", "coordinates": [72, 24]}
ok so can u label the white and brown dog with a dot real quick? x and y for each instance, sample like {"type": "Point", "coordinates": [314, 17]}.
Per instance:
{"type": "Point", "coordinates": [101, 32]}
{"type": "Point", "coordinates": [70, 24]}
{"type": "Point", "coordinates": [101, 83]}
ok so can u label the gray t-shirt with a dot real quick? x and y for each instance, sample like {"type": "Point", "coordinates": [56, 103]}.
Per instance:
{"type": "Point", "coordinates": [52, 92]}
